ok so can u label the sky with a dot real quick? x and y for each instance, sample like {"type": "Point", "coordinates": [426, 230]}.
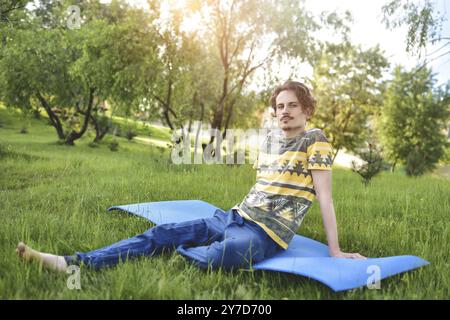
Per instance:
{"type": "Point", "coordinates": [368, 30]}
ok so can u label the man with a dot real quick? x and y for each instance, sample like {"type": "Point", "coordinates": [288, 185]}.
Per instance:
{"type": "Point", "coordinates": [292, 169]}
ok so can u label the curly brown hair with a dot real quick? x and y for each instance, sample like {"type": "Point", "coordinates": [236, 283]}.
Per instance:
{"type": "Point", "coordinates": [304, 96]}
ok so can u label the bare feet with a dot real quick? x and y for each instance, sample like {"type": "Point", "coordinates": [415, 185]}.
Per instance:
{"type": "Point", "coordinates": [49, 261]}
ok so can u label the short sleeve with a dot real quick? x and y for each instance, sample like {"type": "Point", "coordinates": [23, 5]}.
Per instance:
{"type": "Point", "coordinates": [319, 152]}
{"type": "Point", "coordinates": [262, 148]}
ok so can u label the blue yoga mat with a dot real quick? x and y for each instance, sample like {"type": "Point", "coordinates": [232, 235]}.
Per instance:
{"type": "Point", "coordinates": [304, 257]}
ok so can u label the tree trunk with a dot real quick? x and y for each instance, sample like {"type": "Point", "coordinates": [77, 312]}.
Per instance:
{"type": "Point", "coordinates": [393, 166]}
{"type": "Point", "coordinates": [167, 104]}
{"type": "Point", "coordinates": [218, 116]}
{"type": "Point", "coordinates": [202, 105]}
{"type": "Point", "coordinates": [73, 135]}
{"type": "Point", "coordinates": [335, 155]}
{"type": "Point", "coordinates": [167, 118]}
{"type": "Point", "coordinates": [229, 115]}
{"type": "Point", "coordinates": [52, 116]}
{"type": "Point", "coordinates": [99, 132]}
{"type": "Point", "coordinates": [191, 114]}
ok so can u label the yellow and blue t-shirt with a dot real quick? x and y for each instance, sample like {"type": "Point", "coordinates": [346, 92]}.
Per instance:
{"type": "Point", "coordinates": [284, 188]}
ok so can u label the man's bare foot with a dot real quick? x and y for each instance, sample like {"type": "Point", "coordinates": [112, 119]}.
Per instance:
{"type": "Point", "coordinates": [49, 261]}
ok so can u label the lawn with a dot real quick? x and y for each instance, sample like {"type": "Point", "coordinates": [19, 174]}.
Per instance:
{"type": "Point", "coordinates": [55, 197]}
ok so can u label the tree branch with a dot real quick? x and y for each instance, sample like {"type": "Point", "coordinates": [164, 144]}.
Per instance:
{"type": "Point", "coordinates": [159, 99]}
{"type": "Point", "coordinates": [15, 6]}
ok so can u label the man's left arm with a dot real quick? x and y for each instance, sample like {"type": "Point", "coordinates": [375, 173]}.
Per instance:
{"type": "Point", "coordinates": [322, 185]}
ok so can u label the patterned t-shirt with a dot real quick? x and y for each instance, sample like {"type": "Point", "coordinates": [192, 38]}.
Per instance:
{"type": "Point", "coordinates": [284, 188]}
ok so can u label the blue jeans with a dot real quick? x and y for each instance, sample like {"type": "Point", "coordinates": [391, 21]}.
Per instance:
{"type": "Point", "coordinates": [225, 240]}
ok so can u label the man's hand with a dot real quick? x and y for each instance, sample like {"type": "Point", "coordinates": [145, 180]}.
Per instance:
{"type": "Point", "coordinates": [340, 254]}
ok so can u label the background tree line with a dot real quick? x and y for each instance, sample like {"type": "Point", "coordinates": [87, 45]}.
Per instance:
{"type": "Point", "coordinates": [152, 63]}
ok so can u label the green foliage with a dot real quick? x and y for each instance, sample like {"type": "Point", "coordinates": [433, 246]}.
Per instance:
{"type": "Point", "coordinates": [11, 12]}
{"type": "Point", "coordinates": [446, 158]}
{"type": "Point", "coordinates": [35, 61]}
{"type": "Point", "coordinates": [416, 162]}
{"type": "Point", "coordinates": [414, 120]}
{"type": "Point", "coordinates": [347, 85]}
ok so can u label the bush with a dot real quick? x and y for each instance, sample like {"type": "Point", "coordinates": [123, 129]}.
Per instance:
{"type": "Point", "coordinates": [130, 134]}
{"type": "Point", "coordinates": [162, 150]}
{"type": "Point", "coordinates": [93, 144]}
{"type": "Point", "coordinates": [114, 145]}
{"type": "Point", "coordinates": [416, 163]}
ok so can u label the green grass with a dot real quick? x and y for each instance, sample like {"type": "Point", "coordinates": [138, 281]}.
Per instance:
{"type": "Point", "coordinates": [55, 198]}
{"type": "Point", "coordinates": [141, 129]}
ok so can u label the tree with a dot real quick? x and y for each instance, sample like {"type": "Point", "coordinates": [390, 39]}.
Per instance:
{"type": "Point", "coordinates": [347, 85]}
{"type": "Point", "coordinates": [173, 48]}
{"type": "Point", "coordinates": [9, 9]}
{"type": "Point", "coordinates": [413, 120]}
{"type": "Point", "coordinates": [68, 71]}
{"type": "Point", "coordinates": [102, 123]}
{"type": "Point", "coordinates": [424, 22]}
{"type": "Point", "coordinates": [34, 70]}
{"type": "Point", "coordinates": [241, 37]}
{"type": "Point", "coordinates": [372, 162]}
{"type": "Point", "coordinates": [135, 55]}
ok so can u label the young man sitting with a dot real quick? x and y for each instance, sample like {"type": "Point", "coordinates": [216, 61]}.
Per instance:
{"type": "Point", "coordinates": [293, 168]}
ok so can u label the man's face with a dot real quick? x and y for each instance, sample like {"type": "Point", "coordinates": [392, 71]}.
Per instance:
{"type": "Point", "coordinates": [291, 118]}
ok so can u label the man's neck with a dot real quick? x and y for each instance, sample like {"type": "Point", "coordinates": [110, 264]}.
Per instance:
{"type": "Point", "coordinates": [293, 133]}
